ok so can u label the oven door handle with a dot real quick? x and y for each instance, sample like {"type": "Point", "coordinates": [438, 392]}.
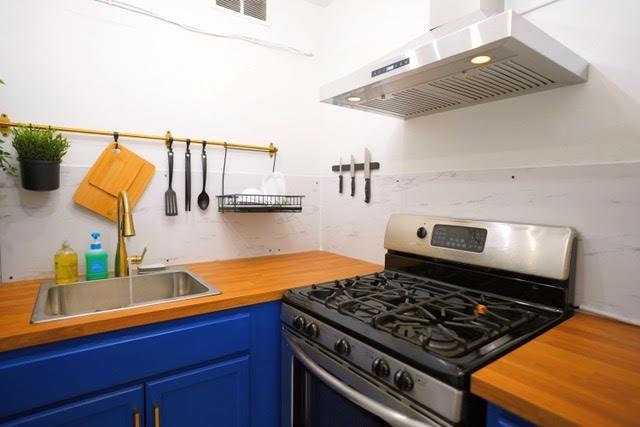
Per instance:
{"type": "Point", "coordinates": [391, 416]}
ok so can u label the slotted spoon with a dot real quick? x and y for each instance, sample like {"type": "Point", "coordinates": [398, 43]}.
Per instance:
{"type": "Point", "coordinates": [170, 199]}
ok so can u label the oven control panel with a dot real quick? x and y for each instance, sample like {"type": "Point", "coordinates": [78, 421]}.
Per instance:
{"type": "Point", "coordinates": [457, 237]}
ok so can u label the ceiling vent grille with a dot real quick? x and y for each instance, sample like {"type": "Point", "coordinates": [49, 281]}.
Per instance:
{"type": "Point", "coordinates": [256, 9]}
{"type": "Point", "coordinates": [490, 82]}
{"type": "Point", "coordinates": [253, 8]}
{"type": "Point", "coordinates": [235, 5]}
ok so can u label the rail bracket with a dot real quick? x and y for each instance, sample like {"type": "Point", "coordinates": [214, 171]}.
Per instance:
{"type": "Point", "coordinates": [4, 125]}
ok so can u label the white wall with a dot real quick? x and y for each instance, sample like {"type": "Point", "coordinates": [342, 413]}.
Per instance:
{"type": "Point", "coordinates": [86, 64]}
{"type": "Point", "coordinates": [83, 63]}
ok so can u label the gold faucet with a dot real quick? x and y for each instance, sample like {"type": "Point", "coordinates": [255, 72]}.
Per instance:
{"type": "Point", "coordinates": [125, 229]}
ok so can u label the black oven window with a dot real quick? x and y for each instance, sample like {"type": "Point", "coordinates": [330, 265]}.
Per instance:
{"type": "Point", "coordinates": [317, 405]}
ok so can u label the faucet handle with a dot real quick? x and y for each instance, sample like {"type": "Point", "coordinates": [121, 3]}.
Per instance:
{"type": "Point", "coordinates": [137, 259]}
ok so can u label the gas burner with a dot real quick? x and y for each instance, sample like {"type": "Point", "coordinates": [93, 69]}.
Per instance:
{"type": "Point", "coordinates": [435, 316]}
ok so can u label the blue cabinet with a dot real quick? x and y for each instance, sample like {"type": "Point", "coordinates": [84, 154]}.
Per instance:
{"type": "Point", "coordinates": [217, 394]}
{"type": "Point", "coordinates": [118, 408]}
{"type": "Point", "coordinates": [498, 417]}
{"type": "Point", "coordinates": [222, 366]}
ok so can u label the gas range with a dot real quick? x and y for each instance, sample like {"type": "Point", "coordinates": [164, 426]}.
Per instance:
{"type": "Point", "coordinates": [454, 295]}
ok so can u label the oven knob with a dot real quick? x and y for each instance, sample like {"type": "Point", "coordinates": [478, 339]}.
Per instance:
{"type": "Point", "coordinates": [422, 232]}
{"type": "Point", "coordinates": [403, 380]}
{"type": "Point", "coordinates": [342, 347]}
{"type": "Point", "coordinates": [299, 323]}
{"type": "Point", "coordinates": [312, 330]}
{"type": "Point", "coordinates": [380, 367]}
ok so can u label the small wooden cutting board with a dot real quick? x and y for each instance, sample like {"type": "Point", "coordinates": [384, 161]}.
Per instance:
{"type": "Point", "coordinates": [114, 171]}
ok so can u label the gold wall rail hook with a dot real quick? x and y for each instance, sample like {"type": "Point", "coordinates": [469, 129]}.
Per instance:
{"type": "Point", "coordinates": [168, 140]}
{"type": "Point", "coordinates": [6, 124]}
{"type": "Point", "coordinates": [272, 149]}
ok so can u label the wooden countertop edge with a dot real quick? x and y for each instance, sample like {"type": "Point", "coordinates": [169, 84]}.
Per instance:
{"type": "Point", "coordinates": [260, 286]}
{"type": "Point", "coordinates": [97, 325]}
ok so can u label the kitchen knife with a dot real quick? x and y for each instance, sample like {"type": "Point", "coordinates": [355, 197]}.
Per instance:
{"type": "Point", "coordinates": [352, 170]}
{"type": "Point", "coordinates": [367, 176]}
{"type": "Point", "coordinates": [340, 178]}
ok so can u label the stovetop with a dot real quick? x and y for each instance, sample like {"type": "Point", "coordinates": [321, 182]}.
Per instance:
{"type": "Point", "coordinates": [439, 318]}
{"type": "Point", "coordinates": [440, 328]}
{"type": "Point", "coordinates": [455, 293]}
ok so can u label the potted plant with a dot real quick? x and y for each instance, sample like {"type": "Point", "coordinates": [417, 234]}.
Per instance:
{"type": "Point", "coordinates": [39, 154]}
{"type": "Point", "coordinates": [7, 167]}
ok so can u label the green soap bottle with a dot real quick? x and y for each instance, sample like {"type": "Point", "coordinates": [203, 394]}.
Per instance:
{"type": "Point", "coordinates": [97, 260]}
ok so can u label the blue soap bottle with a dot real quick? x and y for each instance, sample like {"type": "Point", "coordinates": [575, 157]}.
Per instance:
{"type": "Point", "coordinates": [97, 260]}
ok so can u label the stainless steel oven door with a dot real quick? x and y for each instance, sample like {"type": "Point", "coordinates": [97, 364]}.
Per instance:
{"type": "Point", "coordinates": [320, 390]}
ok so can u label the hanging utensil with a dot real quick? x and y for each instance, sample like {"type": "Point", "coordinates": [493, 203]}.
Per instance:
{"type": "Point", "coordinates": [170, 200]}
{"type": "Point", "coordinates": [367, 176]}
{"type": "Point", "coordinates": [352, 171]}
{"type": "Point", "coordinates": [203, 198]}
{"type": "Point", "coordinates": [187, 178]}
{"type": "Point", "coordinates": [340, 177]}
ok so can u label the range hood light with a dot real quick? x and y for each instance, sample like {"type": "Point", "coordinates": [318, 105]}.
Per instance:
{"type": "Point", "coordinates": [481, 59]}
{"type": "Point", "coordinates": [354, 99]}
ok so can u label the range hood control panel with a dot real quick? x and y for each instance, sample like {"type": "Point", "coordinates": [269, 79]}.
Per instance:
{"type": "Point", "coordinates": [390, 67]}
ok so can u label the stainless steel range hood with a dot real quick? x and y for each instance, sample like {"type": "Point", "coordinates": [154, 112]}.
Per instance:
{"type": "Point", "coordinates": [437, 72]}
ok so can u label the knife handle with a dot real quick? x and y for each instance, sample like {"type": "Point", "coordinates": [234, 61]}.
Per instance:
{"type": "Point", "coordinates": [367, 190]}
{"type": "Point", "coordinates": [353, 186]}
{"type": "Point", "coordinates": [340, 184]}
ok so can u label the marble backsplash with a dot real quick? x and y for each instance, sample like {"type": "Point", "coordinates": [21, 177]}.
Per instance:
{"type": "Point", "coordinates": [601, 202]}
{"type": "Point", "coordinates": [33, 225]}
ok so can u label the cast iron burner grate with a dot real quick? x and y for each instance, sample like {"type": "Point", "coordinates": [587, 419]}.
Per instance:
{"type": "Point", "coordinates": [440, 318]}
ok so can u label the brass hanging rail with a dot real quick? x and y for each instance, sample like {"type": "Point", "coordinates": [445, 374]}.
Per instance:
{"type": "Point", "coordinates": [5, 124]}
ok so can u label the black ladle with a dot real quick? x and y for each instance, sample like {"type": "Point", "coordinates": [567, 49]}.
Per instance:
{"type": "Point", "coordinates": [203, 198]}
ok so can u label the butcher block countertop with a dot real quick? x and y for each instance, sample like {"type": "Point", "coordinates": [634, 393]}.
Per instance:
{"type": "Point", "coordinates": [586, 371]}
{"type": "Point", "coordinates": [242, 282]}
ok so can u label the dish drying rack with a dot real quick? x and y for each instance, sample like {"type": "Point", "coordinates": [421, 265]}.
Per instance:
{"type": "Point", "coordinates": [257, 203]}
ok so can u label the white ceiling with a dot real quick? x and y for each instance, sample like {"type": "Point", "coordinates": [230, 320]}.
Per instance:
{"type": "Point", "coordinates": [323, 3]}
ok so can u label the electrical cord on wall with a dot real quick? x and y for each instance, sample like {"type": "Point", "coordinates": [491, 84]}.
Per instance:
{"type": "Point", "coordinates": [260, 42]}
{"type": "Point", "coordinates": [540, 6]}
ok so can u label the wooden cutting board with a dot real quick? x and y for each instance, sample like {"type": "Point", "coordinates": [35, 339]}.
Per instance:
{"type": "Point", "coordinates": [114, 171]}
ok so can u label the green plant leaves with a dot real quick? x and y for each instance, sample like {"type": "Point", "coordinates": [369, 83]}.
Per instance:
{"type": "Point", "coordinates": [39, 144]}
{"type": "Point", "coordinates": [7, 167]}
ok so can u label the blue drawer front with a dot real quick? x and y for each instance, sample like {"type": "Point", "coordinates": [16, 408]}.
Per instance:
{"type": "Point", "coordinates": [46, 374]}
{"type": "Point", "coordinates": [498, 417]}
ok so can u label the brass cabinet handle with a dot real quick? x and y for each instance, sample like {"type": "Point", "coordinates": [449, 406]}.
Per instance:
{"type": "Point", "coordinates": [156, 415]}
{"type": "Point", "coordinates": [136, 418]}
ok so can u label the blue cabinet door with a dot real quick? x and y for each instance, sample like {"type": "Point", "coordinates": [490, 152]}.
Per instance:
{"type": "Point", "coordinates": [499, 417]}
{"type": "Point", "coordinates": [214, 395]}
{"type": "Point", "coordinates": [119, 408]}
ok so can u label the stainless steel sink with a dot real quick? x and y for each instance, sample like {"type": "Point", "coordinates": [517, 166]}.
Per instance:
{"type": "Point", "coordinates": [119, 293]}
